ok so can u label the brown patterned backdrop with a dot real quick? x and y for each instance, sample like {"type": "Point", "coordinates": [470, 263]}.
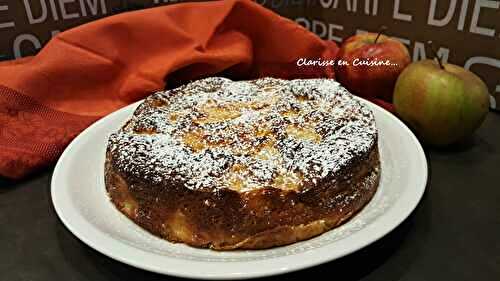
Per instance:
{"type": "Point", "coordinates": [467, 32]}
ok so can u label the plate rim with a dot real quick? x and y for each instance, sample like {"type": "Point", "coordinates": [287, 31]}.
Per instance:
{"type": "Point", "coordinates": [254, 269]}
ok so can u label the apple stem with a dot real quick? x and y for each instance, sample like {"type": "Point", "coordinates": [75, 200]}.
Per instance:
{"type": "Point", "coordinates": [380, 32]}
{"type": "Point", "coordinates": [436, 55]}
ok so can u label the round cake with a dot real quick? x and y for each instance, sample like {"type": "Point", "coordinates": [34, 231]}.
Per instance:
{"type": "Point", "coordinates": [244, 164]}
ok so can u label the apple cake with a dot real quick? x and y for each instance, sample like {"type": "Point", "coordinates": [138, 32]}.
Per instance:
{"type": "Point", "coordinates": [254, 164]}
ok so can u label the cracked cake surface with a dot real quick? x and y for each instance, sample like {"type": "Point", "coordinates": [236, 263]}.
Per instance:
{"type": "Point", "coordinates": [264, 149]}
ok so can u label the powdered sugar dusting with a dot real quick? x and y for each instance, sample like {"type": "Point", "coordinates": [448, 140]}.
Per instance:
{"type": "Point", "coordinates": [216, 133]}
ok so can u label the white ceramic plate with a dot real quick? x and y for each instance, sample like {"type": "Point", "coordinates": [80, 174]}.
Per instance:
{"type": "Point", "coordinates": [80, 200]}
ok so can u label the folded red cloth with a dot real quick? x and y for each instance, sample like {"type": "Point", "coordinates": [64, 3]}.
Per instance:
{"type": "Point", "coordinates": [89, 71]}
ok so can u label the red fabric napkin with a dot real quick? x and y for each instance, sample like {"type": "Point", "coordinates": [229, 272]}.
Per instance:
{"type": "Point", "coordinates": [89, 71]}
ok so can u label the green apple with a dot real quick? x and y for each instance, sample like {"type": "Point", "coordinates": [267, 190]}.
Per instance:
{"type": "Point", "coordinates": [443, 103]}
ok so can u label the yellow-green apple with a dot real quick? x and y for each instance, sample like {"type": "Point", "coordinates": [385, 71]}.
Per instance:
{"type": "Point", "coordinates": [443, 103]}
{"type": "Point", "coordinates": [374, 62]}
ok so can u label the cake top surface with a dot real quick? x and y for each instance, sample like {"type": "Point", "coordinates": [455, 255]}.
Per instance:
{"type": "Point", "coordinates": [216, 133]}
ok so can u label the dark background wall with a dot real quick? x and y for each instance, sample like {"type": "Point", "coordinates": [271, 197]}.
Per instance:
{"type": "Point", "coordinates": [466, 32]}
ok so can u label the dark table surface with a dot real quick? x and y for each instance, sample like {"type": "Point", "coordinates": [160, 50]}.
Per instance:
{"type": "Point", "coordinates": [454, 234]}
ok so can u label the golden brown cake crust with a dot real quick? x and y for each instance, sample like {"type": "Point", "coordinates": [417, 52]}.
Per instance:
{"type": "Point", "coordinates": [256, 210]}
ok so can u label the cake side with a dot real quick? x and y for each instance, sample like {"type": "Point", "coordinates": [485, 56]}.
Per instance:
{"type": "Point", "coordinates": [256, 219]}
